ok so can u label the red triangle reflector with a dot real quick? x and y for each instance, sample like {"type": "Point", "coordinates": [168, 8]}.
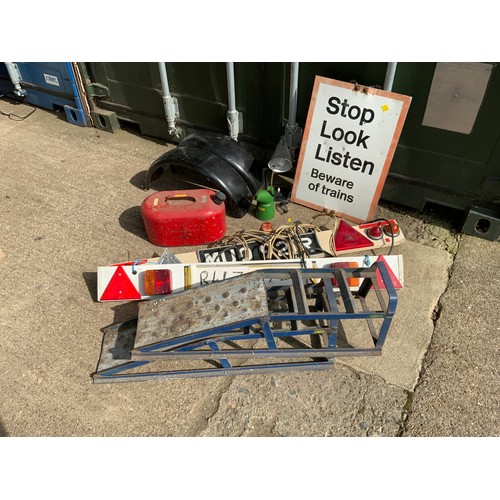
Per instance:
{"type": "Point", "coordinates": [348, 238]}
{"type": "Point", "coordinates": [120, 287]}
{"type": "Point", "coordinates": [380, 282]}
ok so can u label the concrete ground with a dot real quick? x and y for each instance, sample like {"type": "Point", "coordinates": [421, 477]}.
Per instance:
{"type": "Point", "coordinates": [69, 202]}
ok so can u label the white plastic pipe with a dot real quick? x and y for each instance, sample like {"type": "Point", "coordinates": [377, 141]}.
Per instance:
{"type": "Point", "coordinates": [293, 132]}
{"type": "Point", "coordinates": [389, 75]}
{"type": "Point", "coordinates": [15, 78]}
{"type": "Point", "coordinates": [294, 87]}
{"type": "Point", "coordinates": [232, 113]}
{"type": "Point", "coordinates": [168, 102]}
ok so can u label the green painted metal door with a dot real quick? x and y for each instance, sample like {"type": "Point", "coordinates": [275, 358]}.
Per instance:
{"type": "Point", "coordinates": [433, 162]}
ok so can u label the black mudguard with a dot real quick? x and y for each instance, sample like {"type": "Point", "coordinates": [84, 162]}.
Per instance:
{"type": "Point", "coordinates": [229, 150]}
{"type": "Point", "coordinates": [197, 166]}
{"type": "Point", "coordinates": [214, 161]}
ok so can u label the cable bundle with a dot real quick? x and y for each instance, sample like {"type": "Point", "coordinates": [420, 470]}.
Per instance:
{"type": "Point", "coordinates": [281, 243]}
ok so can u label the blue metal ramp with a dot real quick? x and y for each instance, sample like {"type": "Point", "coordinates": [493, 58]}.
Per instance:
{"type": "Point", "coordinates": [265, 321]}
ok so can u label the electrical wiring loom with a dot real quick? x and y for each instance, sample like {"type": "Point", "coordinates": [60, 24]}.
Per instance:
{"type": "Point", "coordinates": [281, 243]}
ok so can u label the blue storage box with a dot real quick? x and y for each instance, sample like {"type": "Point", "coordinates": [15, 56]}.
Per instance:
{"type": "Point", "coordinates": [49, 85]}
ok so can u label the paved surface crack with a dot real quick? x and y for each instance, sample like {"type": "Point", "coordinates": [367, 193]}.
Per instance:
{"type": "Point", "coordinates": [405, 414]}
{"type": "Point", "coordinates": [427, 360]}
{"type": "Point", "coordinates": [225, 386]}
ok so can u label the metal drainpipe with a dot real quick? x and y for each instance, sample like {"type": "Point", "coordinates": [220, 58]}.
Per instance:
{"type": "Point", "coordinates": [292, 131]}
{"type": "Point", "coordinates": [168, 100]}
{"type": "Point", "coordinates": [15, 78]}
{"type": "Point", "coordinates": [232, 113]}
{"type": "Point", "coordinates": [389, 75]}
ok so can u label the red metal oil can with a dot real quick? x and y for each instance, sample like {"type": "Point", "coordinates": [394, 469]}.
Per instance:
{"type": "Point", "coordinates": [183, 218]}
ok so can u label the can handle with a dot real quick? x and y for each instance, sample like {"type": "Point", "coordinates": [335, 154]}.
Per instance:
{"type": "Point", "coordinates": [180, 199]}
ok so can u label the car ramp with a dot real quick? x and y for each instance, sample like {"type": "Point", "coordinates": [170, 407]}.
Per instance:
{"type": "Point", "coordinates": [265, 321]}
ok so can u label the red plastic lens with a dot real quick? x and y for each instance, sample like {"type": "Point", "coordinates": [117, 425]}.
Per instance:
{"type": "Point", "coordinates": [347, 238]}
{"type": "Point", "coordinates": [346, 265]}
{"type": "Point", "coordinates": [375, 233]}
{"type": "Point", "coordinates": [391, 229]}
{"type": "Point", "coordinates": [267, 227]}
{"type": "Point", "coordinates": [158, 281]}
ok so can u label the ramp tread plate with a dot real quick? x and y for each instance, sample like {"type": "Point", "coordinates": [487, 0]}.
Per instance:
{"type": "Point", "coordinates": [220, 304]}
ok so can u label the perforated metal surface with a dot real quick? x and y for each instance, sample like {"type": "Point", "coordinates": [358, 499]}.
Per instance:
{"type": "Point", "coordinates": [220, 304]}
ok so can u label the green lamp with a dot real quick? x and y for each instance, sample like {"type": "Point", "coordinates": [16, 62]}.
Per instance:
{"type": "Point", "coordinates": [280, 162]}
{"type": "Point", "coordinates": [265, 204]}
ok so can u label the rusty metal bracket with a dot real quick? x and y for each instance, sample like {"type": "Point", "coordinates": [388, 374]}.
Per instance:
{"type": "Point", "coordinates": [265, 321]}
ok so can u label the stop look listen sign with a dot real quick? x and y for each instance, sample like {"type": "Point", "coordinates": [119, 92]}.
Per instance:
{"type": "Point", "coordinates": [347, 148]}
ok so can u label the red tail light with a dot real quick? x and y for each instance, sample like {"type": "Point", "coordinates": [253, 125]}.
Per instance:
{"type": "Point", "coordinates": [391, 229]}
{"type": "Point", "coordinates": [158, 282]}
{"type": "Point", "coordinates": [346, 265]}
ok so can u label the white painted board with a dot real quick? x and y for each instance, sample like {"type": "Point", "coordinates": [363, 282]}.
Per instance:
{"type": "Point", "coordinates": [202, 274]}
{"type": "Point", "coordinates": [348, 145]}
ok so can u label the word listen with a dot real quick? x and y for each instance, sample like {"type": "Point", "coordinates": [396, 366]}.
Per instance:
{"type": "Point", "coordinates": [345, 159]}
{"type": "Point", "coordinates": [355, 138]}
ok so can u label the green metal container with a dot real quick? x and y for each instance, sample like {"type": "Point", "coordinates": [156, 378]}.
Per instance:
{"type": "Point", "coordinates": [448, 153]}
{"type": "Point", "coordinates": [265, 204]}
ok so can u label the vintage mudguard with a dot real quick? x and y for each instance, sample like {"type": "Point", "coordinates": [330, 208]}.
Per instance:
{"type": "Point", "coordinates": [231, 151]}
{"type": "Point", "coordinates": [213, 162]}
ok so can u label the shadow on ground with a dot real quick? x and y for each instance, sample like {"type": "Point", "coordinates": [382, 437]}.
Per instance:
{"type": "Point", "coordinates": [131, 220]}
{"type": "Point", "coordinates": [139, 180]}
{"type": "Point", "coordinates": [91, 282]}
{"type": "Point", "coordinates": [124, 312]}
{"type": "Point", "coordinates": [3, 432]}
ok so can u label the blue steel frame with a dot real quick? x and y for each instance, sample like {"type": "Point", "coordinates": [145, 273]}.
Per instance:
{"type": "Point", "coordinates": [303, 281]}
{"type": "Point", "coordinates": [76, 116]}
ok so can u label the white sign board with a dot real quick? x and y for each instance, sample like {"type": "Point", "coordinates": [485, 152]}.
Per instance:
{"type": "Point", "coordinates": [349, 141]}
